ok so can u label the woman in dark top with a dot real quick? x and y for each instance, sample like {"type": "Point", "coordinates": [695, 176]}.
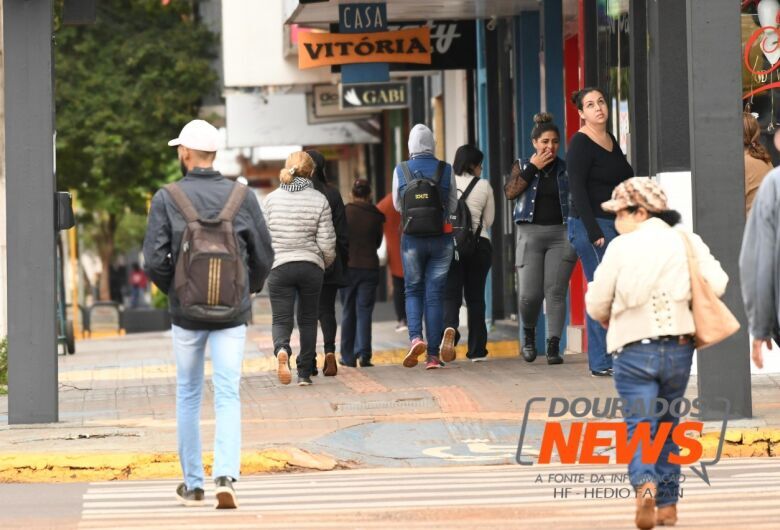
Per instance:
{"type": "Point", "coordinates": [365, 230]}
{"type": "Point", "coordinates": [544, 257]}
{"type": "Point", "coordinates": [596, 165]}
{"type": "Point", "coordinates": [336, 274]}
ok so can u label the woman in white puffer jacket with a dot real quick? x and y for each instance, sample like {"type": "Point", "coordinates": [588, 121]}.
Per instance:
{"type": "Point", "coordinates": [304, 242]}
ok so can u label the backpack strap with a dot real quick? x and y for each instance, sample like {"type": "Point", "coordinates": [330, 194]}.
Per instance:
{"type": "Point", "coordinates": [439, 172]}
{"type": "Point", "coordinates": [182, 202]}
{"type": "Point", "coordinates": [468, 189]}
{"type": "Point", "coordinates": [234, 202]}
{"type": "Point", "coordinates": [406, 172]}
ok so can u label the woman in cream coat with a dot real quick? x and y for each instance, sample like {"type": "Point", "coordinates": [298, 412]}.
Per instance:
{"type": "Point", "coordinates": [641, 292]}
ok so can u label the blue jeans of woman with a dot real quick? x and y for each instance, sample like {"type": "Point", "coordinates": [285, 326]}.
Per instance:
{"type": "Point", "coordinates": [645, 371]}
{"type": "Point", "coordinates": [591, 256]}
{"type": "Point", "coordinates": [357, 301]}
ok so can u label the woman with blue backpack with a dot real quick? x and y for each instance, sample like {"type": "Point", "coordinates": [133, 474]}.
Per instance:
{"type": "Point", "coordinates": [544, 258]}
{"type": "Point", "coordinates": [473, 252]}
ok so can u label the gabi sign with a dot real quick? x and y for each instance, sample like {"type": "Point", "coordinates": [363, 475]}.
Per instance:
{"type": "Point", "coordinates": [377, 96]}
{"type": "Point", "coordinates": [402, 46]}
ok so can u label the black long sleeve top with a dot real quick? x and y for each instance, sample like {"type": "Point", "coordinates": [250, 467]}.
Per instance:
{"type": "Point", "coordinates": [593, 174]}
{"type": "Point", "coordinates": [548, 202]}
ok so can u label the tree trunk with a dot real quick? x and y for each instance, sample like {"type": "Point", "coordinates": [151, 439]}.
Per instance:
{"type": "Point", "coordinates": [105, 246]}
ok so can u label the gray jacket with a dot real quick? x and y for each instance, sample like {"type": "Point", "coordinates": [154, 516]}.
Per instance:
{"type": "Point", "coordinates": [301, 227]}
{"type": "Point", "coordinates": [759, 260]}
{"type": "Point", "coordinates": [208, 190]}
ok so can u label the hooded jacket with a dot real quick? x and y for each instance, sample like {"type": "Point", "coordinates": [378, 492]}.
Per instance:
{"type": "Point", "coordinates": [422, 159]}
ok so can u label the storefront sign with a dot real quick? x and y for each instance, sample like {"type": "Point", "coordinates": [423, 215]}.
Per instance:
{"type": "Point", "coordinates": [452, 45]}
{"type": "Point", "coordinates": [362, 18]}
{"type": "Point", "coordinates": [403, 46]}
{"type": "Point", "coordinates": [326, 104]}
{"type": "Point", "coordinates": [393, 95]}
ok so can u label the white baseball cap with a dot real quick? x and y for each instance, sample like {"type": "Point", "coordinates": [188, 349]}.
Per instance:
{"type": "Point", "coordinates": [199, 135]}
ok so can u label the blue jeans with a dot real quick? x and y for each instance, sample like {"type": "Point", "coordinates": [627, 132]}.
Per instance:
{"type": "Point", "coordinates": [426, 264]}
{"type": "Point", "coordinates": [227, 352]}
{"type": "Point", "coordinates": [358, 299]}
{"type": "Point", "coordinates": [590, 255]}
{"type": "Point", "coordinates": [643, 372]}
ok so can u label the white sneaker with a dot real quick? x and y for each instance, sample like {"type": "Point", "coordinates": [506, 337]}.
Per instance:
{"type": "Point", "coordinates": [401, 326]}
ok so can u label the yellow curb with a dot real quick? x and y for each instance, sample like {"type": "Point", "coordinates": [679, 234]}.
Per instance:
{"type": "Point", "coordinates": [36, 467]}
{"type": "Point", "coordinates": [497, 349]}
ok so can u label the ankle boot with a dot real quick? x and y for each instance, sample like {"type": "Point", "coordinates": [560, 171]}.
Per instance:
{"type": "Point", "coordinates": [529, 344]}
{"type": "Point", "coordinates": [645, 506]}
{"type": "Point", "coordinates": [666, 516]}
{"type": "Point", "coordinates": [553, 351]}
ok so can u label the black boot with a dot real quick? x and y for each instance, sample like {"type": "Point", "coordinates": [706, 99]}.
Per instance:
{"type": "Point", "coordinates": [553, 353]}
{"type": "Point", "coordinates": [529, 344]}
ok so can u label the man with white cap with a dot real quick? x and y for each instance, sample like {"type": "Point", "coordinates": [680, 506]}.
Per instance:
{"type": "Point", "coordinates": [208, 288]}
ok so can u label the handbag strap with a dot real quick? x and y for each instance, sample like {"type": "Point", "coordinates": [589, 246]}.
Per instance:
{"type": "Point", "coordinates": [693, 265]}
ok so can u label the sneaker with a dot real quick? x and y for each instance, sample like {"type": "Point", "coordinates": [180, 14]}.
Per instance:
{"type": "Point", "coordinates": [366, 363]}
{"type": "Point", "coordinates": [331, 367]}
{"type": "Point", "coordinates": [193, 497]}
{"type": "Point", "coordinates": [418, 348]}
{"type": "Point", "coordinates": [433, 362]}
{"type": "Point", "coordinates": [304, 380]}
{"type": "Point", "coordinates": [226, 495]}
{"type": "Point", "coordinates": [283, 366]}
{"type": "Point", "coordinates": [314, 371]}
{"type": "Point", "coordinates": [529, 344]}
{"type": "Point", "coordinates": [447, 347]}
{"type": "Point", "coordinates": [401, 326]}
{"type": "Point", "coordinates": [478, 359]}
{"type": "Point", "coordinates": [601, 373]}
{"type": "Point", "coordinates": [352, 364]}
{"type": "Point", "coordinates": [553, 351]}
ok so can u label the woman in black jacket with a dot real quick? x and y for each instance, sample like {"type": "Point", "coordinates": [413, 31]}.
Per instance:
{"type": "Point", "coordinates": [336, 275]}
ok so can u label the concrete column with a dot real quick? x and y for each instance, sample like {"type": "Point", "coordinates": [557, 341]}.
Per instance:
{"type": "Point", "coordinates": [3, 245]}
{"type": "Point", "coordinates": [714, 90]}
{"type": "Point", "coordinates": [29, 129]}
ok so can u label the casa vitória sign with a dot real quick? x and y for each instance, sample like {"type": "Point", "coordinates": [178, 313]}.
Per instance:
{"type": "Point", "coordinates": [392, 95]}
{"type": "Point", "coordinates": [403, 46]}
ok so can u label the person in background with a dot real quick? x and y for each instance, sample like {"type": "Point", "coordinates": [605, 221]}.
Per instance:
{"type": "Point", "coordinates": [304, 242]}
{"type": "Point", "coordinates": [596, 165]}
{"type": "Point", "coordinates": [642, 293]}
{"type": "Point", "coordinates": [392, 229]}
{"type": "Point", "coordinates": [426, 245]}
{"type": "Point", "coordinates": [358, 297]}
{"type": "Point", "coordinates": [757, 160]}
{"type": "Point", "coordinates": [137, 285]}
{"type": "Point", "coordinates": [335, 275]}
{"type": "Point", "coordinates": [544, 257]}
{"type": "Point", "coordinates": [468, 274]}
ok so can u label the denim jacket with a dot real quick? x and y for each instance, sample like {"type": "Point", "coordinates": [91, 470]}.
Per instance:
{"type": "Point", "coordinates": [525, 203]}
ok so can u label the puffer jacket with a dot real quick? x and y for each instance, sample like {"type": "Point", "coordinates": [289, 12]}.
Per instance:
{"type": "Point", "coordinates": [301, 227]}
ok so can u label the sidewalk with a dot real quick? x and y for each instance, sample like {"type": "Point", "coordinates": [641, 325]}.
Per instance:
{"type": "Point", "coordinates": [117, 411]}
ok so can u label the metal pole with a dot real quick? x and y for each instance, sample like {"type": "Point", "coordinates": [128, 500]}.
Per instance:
{"type": "Point", "coordinates": [714, 90]}
{"type": "Point", "coordinates": [29, 128]}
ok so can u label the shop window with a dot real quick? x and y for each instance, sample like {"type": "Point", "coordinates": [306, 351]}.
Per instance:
{"type": "Point", "coordinates": [613, 66]}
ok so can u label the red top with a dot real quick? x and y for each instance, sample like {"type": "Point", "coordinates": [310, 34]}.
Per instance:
{"type": "Point", "coordinates": [392, 230]}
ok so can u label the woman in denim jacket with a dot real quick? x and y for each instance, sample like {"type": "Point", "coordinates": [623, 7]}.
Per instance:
{"type": "Point", "coordinates": [544, 257]}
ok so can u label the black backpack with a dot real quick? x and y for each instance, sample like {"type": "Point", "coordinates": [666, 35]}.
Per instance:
{"type": "Point", "coordinates": [462, 227]}
{"type": "Point", "coordinates": [421, 208]}
{"type": "Point", "coordinates": [209, 279]}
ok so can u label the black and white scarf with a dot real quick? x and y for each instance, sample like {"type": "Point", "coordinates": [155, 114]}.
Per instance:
{"type": "Point", "coordinates": [298, 184]}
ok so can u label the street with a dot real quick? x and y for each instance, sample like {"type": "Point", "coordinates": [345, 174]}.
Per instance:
{"type": "Point", "coordinates": [459, 497]}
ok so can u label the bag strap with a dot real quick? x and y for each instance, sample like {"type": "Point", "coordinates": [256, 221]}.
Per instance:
{"type": "Point", "coordinates": [234, 202]}
{"type": "Point", "coordinates": [406, 172]}
{"type": "Point", "coordinates": [439, 172]}
{"type": "Point", "coordinates": [182, 202]}
{"type": "Point", "coordinates": [693, 265]}
{"type": "Point", "coordinates": [467, 191]}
